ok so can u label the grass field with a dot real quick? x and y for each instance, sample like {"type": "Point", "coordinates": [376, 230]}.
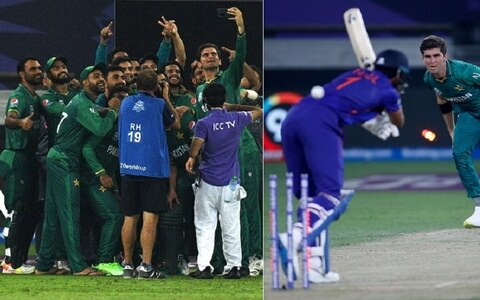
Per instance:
{"type": "Point", "coordinates": [380, 214]}
{"type": "Point", "coordinates": [393, 244]}
{"type": "Point", "coordinates": [174, 287]}
{"type": "Point", "coordinates": [371, 216]}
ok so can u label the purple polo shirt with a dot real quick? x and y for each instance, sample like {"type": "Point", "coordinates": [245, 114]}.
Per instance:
{"type": "Point", "coordinates": [221, 130]}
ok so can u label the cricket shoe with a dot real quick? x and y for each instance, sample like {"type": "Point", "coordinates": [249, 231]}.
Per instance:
{"type": "Point", "coordinates": [233, 273]}
{"type": "Point", "coordinates": [183, 265]}
{"type": "Point", "coordinates": [205, 274]}
{"type": "Point", "coordinates": [283, 250]}
{"type": "Point", "coordinates": [7, 269]}
{"type": "Point", "coordinates": [316, 271]}
{"type": "Point", "coordinates": [474, 220]}
{"type": "Point", "coordinates": [25, 269]}
{"type": "Point", "coordinates": [148, 272]}
{"type": "Point", "coordinates": [62, 267]}
{"type": "Point", "coordinates": [111, 269]}
{"type": "Point", "coordinates": [129, 271]}
{"type": "Point", "coordinates": [255, 265]}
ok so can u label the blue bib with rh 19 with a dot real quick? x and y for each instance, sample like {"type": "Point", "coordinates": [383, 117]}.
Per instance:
{"type": "Point", "coordinates": [143, 143]}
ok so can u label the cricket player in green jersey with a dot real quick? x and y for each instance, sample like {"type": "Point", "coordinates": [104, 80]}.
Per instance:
{"type": "Point", "coordinates": [62, 203]}
{"type": "Point", "coordinates": [21, 184]}
{"type": "Point", "coordinates": [249, 154]}
{"type": "Point", "coordinates": [57, 96]}
{"type": "Point", "coordinates": [456, 86]}
{"type": "Point", "coordinates": [100, 178]}
{"type": "Point", "coordinates": [182, 99]}
{"type": "Point", "coordinates": [180, 184]}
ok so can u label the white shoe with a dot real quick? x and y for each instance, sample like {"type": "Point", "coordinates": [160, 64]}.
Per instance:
{"type": "Point", "coordinates": [255, 266]}
{"type": "Point", "coordinates": [62, 267]}
{"type": "Point", "coordinates": [25, 269]}
{"type": "Point", "coordinates": [316, 277]}
{"type": "Point", "coordinates": [474, 220]}
{"type": "Point", "coordinates": [183, 265]}
{"type": "Point", "coordinates": [316, 272]}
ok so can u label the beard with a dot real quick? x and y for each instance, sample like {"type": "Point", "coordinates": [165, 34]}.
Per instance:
{"type": "Point", "coordinates": [60, 80]}
{"type": "Point", "coordinates": [175, 84]}
{"type": "Point", "coordinates": [95, 89]}
{"type": "Point", "coordinates": [34, 80]}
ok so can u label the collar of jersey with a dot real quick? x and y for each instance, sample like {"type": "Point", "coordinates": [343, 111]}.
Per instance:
{"type": "Point", "coordinates": [448, 72]}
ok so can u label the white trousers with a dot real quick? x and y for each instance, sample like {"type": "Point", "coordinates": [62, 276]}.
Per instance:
{"type": "Point", "coordinates": [209, 206]}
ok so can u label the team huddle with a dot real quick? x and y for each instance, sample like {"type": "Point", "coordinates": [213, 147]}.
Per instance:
{"type": "Point", "coordinates": [96, 165]}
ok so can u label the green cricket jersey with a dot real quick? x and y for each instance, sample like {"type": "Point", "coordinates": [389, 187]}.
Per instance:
{"type": "Point", "coordinates": [52, 107]}
{"type": "Point", "coordinates": [460, 86]}
{"type": "Point", "coordinates": [23, 103]}
{"type": "Point", "coordinates": [179, 140]}
{"type": "Point", "coordinates": [80, 118]}
{"type": "Point", "coordinates": [101, 154]}
{"type": "Point", "coordinates": [187, 99]}
{"type": "Point", "coordinates": [230, 78]}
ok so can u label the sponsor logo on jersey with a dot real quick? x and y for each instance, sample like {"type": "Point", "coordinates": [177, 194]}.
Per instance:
{"type": "Point", "coordinates": [459, 88]}
{"type": "Point", "coordinates": [45, 102]}
{"type": "Point", "coordinates": [180, 151]}
{"type": "Point", "coordinates": [475, 75]}
{"type": "Point", "coordinates": [14, 102]}
{"type": "Point", "coordinates": [92, 110]}
{"type": "Point", "coordinates": [112, 150]}
{"type": "Point", "coordinates": [139, 106]}
{"type": "Point", "coordinates": [460, 98]}
{"type": "Point", "coordinates": [193, 100]}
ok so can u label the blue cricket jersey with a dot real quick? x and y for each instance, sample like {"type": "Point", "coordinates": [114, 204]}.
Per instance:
{"type": "Point", "coordinates": [142, 138]}
{"type": "Point", "coordinates": [357, 94]}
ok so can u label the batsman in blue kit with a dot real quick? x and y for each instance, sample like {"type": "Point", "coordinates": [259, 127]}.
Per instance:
{"type": "Point", "coordinates": [312, 139]}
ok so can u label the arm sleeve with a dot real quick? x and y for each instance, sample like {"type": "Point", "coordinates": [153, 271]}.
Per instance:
{"type": "Point", "coordinates": [88, 152]}
{"type": "Point", "coordinates": [471, 74]}
{"type": "Point", "coordinates": [235, 70]}
{"type": "Point", "coordinates": [91, 120]}
{"type": "Point", "coordinates": [16, 104]}
{"type": "Point", "coordinates": [51, 107]}
{"type": "Point", "coordinates": [101, 54]}
{"type": "Point", "coordinates": [391, 100]}
{"type": "Point", "coordinates": [168, 118]}
{"type": "Point", "coordinates": [163, 52]}
{"type": "Point", "coordinates": [200, 131]}
{"type": "Point", "coordinates": [244, 118]}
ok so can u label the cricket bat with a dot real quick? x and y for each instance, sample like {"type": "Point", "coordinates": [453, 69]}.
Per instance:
{"type": "Point", "coordinates": [359, 38]}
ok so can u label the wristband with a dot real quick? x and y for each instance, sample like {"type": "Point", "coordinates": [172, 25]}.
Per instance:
{"type": "Point", "coordinates": [445, 108]}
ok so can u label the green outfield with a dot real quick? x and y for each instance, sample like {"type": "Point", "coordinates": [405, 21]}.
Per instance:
{"type": "Point", "coordinates": [380, 214]}
{"type": "Point", "coordinates": [174, 287]}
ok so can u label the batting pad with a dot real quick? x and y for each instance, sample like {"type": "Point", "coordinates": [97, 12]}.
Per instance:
{"type": "Point", "coordinates": [345, 197]}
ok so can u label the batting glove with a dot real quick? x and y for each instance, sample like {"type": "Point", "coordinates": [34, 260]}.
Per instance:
{"type": "Point", "coordinates": [381, 127]}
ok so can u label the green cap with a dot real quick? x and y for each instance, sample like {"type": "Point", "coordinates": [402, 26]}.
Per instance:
{"type": "Point", "coordinates": [100, 66]}
{"type": "Point", "coordinates": [52, 60]}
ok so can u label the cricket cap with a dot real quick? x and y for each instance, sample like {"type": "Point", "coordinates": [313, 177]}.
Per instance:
{"type": "Point", "coordinates": [52, 60]}
{"type": "Point", "coordinates": [100, 66]}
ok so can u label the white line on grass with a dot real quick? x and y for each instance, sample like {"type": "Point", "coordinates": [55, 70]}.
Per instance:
{"type": "Point", "coordinates": [444, 284]}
